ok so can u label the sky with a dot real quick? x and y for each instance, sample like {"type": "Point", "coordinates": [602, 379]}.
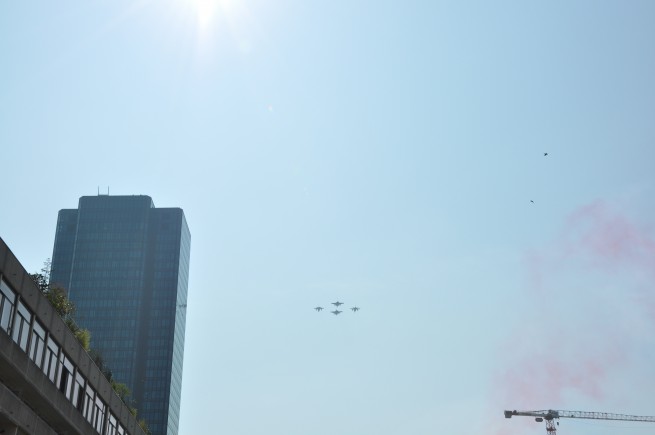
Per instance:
{"type": "Point", "coordinates": [389, 155]}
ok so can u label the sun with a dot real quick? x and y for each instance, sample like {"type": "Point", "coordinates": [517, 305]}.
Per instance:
{"type": "Point", "coordinates": [207, 11]}
{"type": "Point", "coordinates": [214, 22]}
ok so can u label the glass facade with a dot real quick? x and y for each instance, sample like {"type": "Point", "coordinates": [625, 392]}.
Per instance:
{"type": "Point", "coordinates": [125, 263]}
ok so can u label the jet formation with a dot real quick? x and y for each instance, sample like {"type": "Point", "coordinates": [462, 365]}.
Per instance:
{"type": "Point", "coordinates": [336, 312]}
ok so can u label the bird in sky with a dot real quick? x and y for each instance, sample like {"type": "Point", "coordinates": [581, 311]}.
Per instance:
{"type": "Point", "coordinates": [532, 201]}
{"type": "Point", "coordinates": [318, 308]}
{"type": "Point", "coordinates": [336, 312]}
{"type": "Point", "coordinates": [337, 303]}
{"type": "Point", "coordinates": [545, 154]}
{"type": "Point", "coordinates": [355, 309]}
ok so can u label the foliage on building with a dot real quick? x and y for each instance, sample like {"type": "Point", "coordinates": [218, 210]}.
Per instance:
{"type": "Point", "coordinates": [66, 310]}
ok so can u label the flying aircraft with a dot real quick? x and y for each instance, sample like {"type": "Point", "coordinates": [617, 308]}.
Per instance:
{"type": "Point", "coordinates": [337, 303]}
{"type": "Point", "coordinates": [545, 154]}
{"type": "Point", "coordinates": [318, 308]}
{"type": "Point", "coordinates": [355, 309]}
{"type": "Point", "coordinates": [336, 312]}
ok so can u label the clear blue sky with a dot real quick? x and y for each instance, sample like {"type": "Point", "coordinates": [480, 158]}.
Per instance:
{"type": "Point", "coordinates": [381, 153]}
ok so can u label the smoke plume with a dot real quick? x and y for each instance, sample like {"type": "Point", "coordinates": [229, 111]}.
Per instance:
{"type": "Point", "coordinates": [587, 289]}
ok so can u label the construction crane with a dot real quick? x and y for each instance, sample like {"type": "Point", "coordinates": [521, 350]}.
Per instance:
{"type": "Point", "coordinates": [550, 416]}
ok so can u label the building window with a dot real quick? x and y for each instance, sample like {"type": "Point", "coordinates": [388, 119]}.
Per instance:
{"type": "Point", "coordinates": [111, 425]}
{"type": "Point", "coordinates": [33, 338]}
{"type": "Point", "coordinates": [78, 392]}
{"type": "Point", "coordinates": [38, 344]}
{"type": "Point", "coordinates": [66, 370]}
{"type": "Point", "coordinates": [50, 363]}
{"type": "Point", "coordinates": [21, 330]}
{"type": "Point", "coordinates": [89, 395]}
{"type": "Point", "coordinates": [7, 301]}
{"type": "Point", "coordinates": [99, 415]}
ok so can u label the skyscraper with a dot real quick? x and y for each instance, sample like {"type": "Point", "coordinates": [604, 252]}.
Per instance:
{"type": "Point", "coordinates": [125, 265]}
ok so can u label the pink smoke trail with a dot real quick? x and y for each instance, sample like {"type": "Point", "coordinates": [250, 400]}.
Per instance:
{"type": "Point", "coordinates": [600, 243]}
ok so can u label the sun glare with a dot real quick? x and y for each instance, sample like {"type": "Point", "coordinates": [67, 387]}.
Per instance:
{"type": "Point", "coordinates": [207, 11]}
{"type": "Point", "coordinates": [215, 21]}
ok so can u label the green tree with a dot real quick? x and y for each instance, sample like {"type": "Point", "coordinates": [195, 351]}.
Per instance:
{"type": "Point", "coordinates": [41, 281]}
{"type": "Point", "coordinates": [100, 362]}
{"type": "Point", "coordinates": [144, 426]}
{"type": "Point", "coordinates": [66, 309]}
{"type": "Point", "coordinates": [62, 305]}
{"type": "Point", "coordinates": [84, 337]}
{"type": "Point", "coordinates": [122, 390]}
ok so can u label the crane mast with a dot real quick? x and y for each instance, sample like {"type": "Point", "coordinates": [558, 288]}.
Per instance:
{"type": "Point", "coordinates": [550, 416]}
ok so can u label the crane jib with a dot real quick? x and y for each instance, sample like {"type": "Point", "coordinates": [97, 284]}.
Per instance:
{"type": "Point", "coordinates": [549, 415]}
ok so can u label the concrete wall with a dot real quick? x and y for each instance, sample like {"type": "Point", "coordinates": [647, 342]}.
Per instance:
{"type": "Point", "coordinates": [27, 396]}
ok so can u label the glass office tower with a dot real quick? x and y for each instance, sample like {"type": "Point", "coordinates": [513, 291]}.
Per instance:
{"type": "Point", "coordinates": [125, 265]}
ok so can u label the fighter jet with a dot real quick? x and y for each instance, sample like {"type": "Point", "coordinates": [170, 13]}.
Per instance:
{"type": "Point", "coordinates": [336, 312]}
{"type": "Point", "coordinates": [337, 303]}
{"type": "Point", "coordinates": [318, 308]}
{"type": "Point", "coordinates": [355, 309]}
